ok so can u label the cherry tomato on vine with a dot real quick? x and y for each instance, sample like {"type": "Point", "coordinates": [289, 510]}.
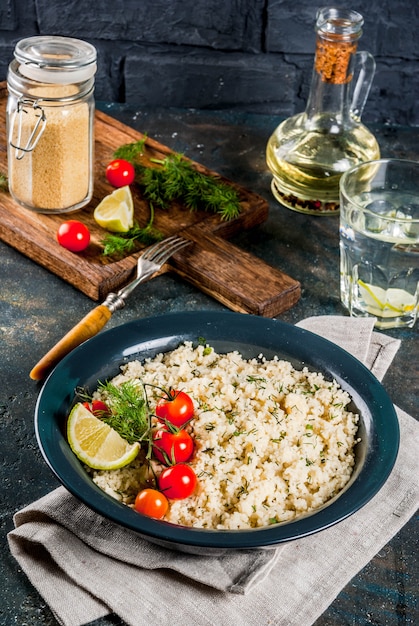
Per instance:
{"type": "Point", "coordinates": [175, 407]}
{"type": "Point", "coordinates": [152, 503]}
{"type": "Point", "coordinates": [120, 173]}
{"type": "Point", "coordinates": [73, 235]}
{"type": "Point", "coordinates": [178, 481]}
{"type": "Point", "coordinates": [172, 445]}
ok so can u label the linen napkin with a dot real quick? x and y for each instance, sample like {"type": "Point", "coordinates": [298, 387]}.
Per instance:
{"type": "Point", "coordinates": [86, 567]}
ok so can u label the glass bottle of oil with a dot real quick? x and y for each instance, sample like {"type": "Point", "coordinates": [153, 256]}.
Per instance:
{"type": "Point", "coordinates": [308, 153]}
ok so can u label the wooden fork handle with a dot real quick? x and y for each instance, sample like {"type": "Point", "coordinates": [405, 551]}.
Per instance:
{"type": "Point", "coordinates": [88, 327]}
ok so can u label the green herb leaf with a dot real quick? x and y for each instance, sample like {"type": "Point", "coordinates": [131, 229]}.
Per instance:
{"type": "Point", "coordinates": [177, 179]}
{"type": "Point", "coordinates": [174, 178]}
{"type": "Point", "coordinates": [130, 415]}
{"type": "Point", "coordinates": [4, 183]}
{"type": "Point", "coordinates": [131, 151]}
{"type": "Point", "coordinates": [123, 244]}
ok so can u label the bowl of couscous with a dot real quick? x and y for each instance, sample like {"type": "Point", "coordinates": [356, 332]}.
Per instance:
{"type": "Point", "coordinates": [290, 434]}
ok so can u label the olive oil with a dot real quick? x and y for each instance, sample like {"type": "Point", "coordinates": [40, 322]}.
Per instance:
{"type": "Point", "coordinates": [307, 164]}
{"type": "Point", "coordinates": [308, 153]}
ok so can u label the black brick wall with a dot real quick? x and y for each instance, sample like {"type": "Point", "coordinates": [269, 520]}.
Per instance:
{"type": "Point", "coordinates": [253, 55]}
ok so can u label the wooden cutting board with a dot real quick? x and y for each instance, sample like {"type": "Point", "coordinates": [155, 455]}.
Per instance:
{"type": "Point", "coordinates": [236, 278]}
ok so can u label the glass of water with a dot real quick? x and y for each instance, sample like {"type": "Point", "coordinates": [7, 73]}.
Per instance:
{"type": "Point", "coordinates": [379, 241]}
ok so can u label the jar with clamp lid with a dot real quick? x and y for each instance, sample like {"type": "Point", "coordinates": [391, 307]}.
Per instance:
{"type": "Point", "coordinates": [50, 117]}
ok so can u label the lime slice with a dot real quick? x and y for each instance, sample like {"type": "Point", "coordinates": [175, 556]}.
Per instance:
{"type": "Point", "coordinates": [386, 302]}
{"type": "Point", "coordinates": [96, 443]}
{"type": "Point", "coordinates": [116, 211]}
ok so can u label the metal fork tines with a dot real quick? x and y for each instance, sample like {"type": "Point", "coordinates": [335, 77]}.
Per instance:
{"type": "Point", "coordinates": [154, 257]}
{"type": "Point", "coordinates": [150, 262]}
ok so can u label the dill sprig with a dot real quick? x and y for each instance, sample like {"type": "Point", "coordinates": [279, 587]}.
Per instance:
{"type": "Point", "coordinates": [124, 243]}
{"type": "Point", "coordinates": [130, 415]}
{"type": "Point", "coordinates": [175, 178]}
{"type": "Point", "coordinates": [131, 151]}
{"type": "Point", "coordinates": [4, 183]}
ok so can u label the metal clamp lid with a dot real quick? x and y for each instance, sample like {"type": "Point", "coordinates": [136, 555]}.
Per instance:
{"type": "Point", "coordinates": [22, 109]}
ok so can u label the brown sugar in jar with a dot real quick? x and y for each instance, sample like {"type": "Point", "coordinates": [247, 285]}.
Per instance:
{"type": "Point", "coordinates": [50, 124]}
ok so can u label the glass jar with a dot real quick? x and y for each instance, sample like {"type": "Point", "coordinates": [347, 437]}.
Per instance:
{"type": "Point", "coordinates": [50, 116]}
{"type": "Point", "coordinates": [308, 153]}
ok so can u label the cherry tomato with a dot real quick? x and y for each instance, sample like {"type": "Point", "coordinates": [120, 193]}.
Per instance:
{"type": "Point", "coordinates": [120, 173]}
{"type": "Point", "coordinates": [73, 235]}
{"type": "Point", "coordinates": [172, 446]}
{"type": "Point", "coordinates": [152, 503]}
{"type": "Point", "coordinates": [178, 481]}
{"type": "Point", "coordinates": [97, 407]}
{"type": "Point", "coordinates": [175, 407]}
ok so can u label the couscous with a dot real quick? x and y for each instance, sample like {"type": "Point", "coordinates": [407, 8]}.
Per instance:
{"type": "Point", "coordinates": [272, 442]}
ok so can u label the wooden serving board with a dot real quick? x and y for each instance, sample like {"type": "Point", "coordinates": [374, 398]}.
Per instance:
{"type": "Point", "coordinates": [239, 280]}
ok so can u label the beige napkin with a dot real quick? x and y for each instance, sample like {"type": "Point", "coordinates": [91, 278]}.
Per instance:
{"type": "Point", "coordinates": [86, 567]}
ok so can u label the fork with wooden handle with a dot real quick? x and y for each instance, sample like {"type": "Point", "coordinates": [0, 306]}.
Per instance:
{"type": "Point", "coordinates": [150, 262]}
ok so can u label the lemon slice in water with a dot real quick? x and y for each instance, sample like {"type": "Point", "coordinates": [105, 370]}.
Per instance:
{"type": "Point", "coordinates": [386, 302]}
{"type": "Point", "coordinates": [96, 443]}
{"type": "Point", "coordinates": [116, 211]}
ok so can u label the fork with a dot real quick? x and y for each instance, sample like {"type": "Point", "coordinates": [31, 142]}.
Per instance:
{"type": "Point", "coordinates": [150, 262]}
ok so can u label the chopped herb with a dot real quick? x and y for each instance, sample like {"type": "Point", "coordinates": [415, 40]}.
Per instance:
{"type": "Point", "coordinates": [209, 451]}
{"type": "Point", "coordinates": [282, 435]}
{"type": "Point", "coordinates": [243, 490]}
{"type": "Point", "coordinates": [259, 381]}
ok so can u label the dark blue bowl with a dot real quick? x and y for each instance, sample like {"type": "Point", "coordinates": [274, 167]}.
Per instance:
{"type": "Point", "coordinates": [101, 357]}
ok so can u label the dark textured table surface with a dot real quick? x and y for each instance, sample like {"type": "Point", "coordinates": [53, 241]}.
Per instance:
{"type": "Point", "coordinates": [36, 308]}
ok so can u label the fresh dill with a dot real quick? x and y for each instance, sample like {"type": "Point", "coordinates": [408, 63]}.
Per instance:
{"type": "Point", "coordinates": [129, 412]}
{"type": "Point", "coordinates": [131, 151]}
{"type": "Point", "coordinates": [4, 183]}
{"type": "Point", "coordinates": [174, 178]}
{"type": "Point", "coordinates": [122, 244]}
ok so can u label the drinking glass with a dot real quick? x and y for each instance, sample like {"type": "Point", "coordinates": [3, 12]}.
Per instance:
{"type": "Point", "coordinates": [379, 241]}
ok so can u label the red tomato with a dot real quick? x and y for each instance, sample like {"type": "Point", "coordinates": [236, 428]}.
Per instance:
{"type": "Point", "coordinates": [97, 407]}
{"type": "Point", "coordinates": [73, 235]}
{"type": "Point", "coordinates": [172, 446]}
{"type": "Point", "coordinates": [176, 407]}
{"type": "Point", "coordinates": [178, 481]}
{"type": "Point", "coordinates": [120, 173]}
{"type": "Point", "coordinates": [152, 503]}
